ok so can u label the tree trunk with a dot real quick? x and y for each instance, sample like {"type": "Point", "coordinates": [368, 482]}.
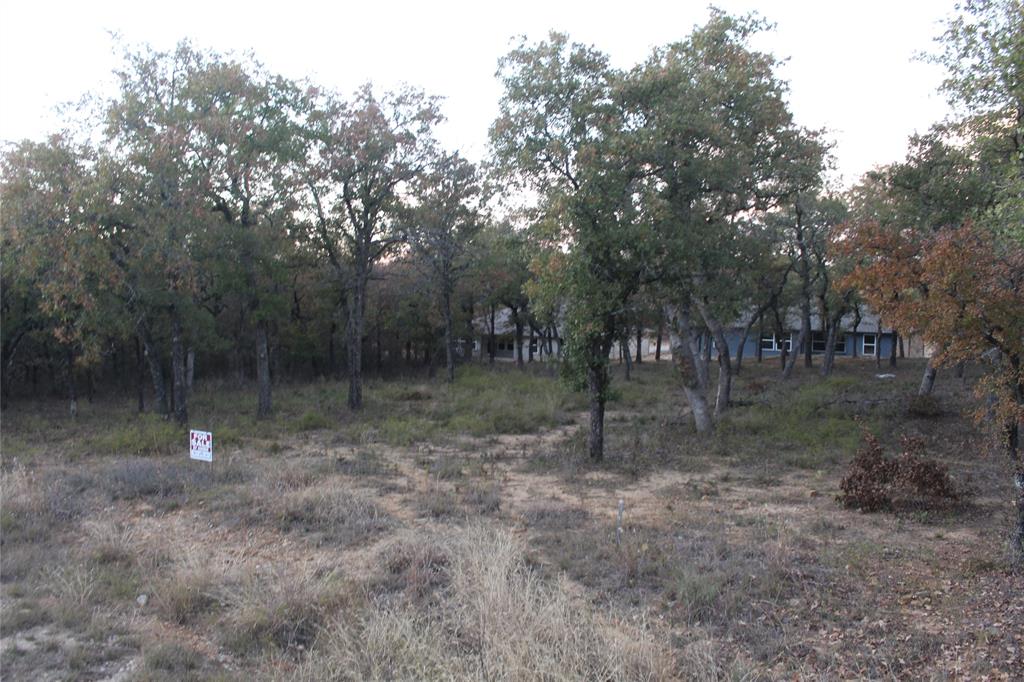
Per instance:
{"type": "Point", "coordinates": [332, 364]}
{"type": "Point", "coordinates": [724, 393]}
{"type": "Point", "coordinates": [178, 369]}
{"type": "Point", "coordinates": [902, 355]}
{"type": "Point", "coordinates": [190, 369]}
{"type": "Point", "coordinates": [639, 342]}
{"type": "Point", "coordinates": [657, 342]}
{"type": "Point", "coordinates": [355, 342]}
{"type": "Point", "coordinates": [72, 389]}
{"type": "Point", "coordinates": [807, 346]}
{"type": "Point", "coordinates": [740, 348]}
{"type": "Point", "coordinates": [519, 338]}
{"type": "Point", "coordinates": [449, 343]}
{"type": "Point", "coordinates": [156, 370]}
{"type": "Point", "coordinates": [692, 340]}
{"type": "Point", "coordinates": [682, 341]}
{"type": "Point", "coordinates": [264, 406]}
{"type": "Point", "coordinates": [627, 356]}
{"type": "Point", "coordinates": [801, 341]}
{"type": "Point", "coordinates": [597, 385]}
{"type": "Point", "coordinates": [830, 349]}
{"type": "Point", "coordinates": [378, 348]}
{"type": "Point", "coordinates": [892, 349]}
{"type": "Point", "coordinates": [760, 335]}
{"type": "Point", "coordinates": [928, 380]}
{"type": "Point", "coordinates": [492, 342]}
{"type": "Point", "coordinates": [140, 376]}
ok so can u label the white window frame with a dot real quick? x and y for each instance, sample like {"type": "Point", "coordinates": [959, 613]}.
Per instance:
{"type": "Point", "coordinates": [864, 345]}
{"type": "Point", "coordinates": [775, 346]}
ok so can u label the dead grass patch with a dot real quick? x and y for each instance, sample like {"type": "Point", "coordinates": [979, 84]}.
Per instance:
{"type": "Point", "coordinates": [496, 619]}
{"type": "Point", "coordinates": [279, 611]}
{"type": "Point", "coordinates": [332, 514]}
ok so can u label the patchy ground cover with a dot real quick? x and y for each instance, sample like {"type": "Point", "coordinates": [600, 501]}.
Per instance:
{"type": "Point", "coordinates": [460, 532]}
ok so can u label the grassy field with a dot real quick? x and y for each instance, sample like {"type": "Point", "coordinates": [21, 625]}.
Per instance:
{"type": "Point", "coordinates": [459, 532]}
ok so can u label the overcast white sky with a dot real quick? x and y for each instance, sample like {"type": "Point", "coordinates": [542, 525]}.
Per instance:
{"type": "Point", "coordinates": [850, 65]}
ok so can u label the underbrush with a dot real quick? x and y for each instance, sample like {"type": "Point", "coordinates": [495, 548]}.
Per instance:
{"type": "Point", "coordinates": [146, 434]}
{"type": "Point", "coordinates": [875, 482]}
{"type": "Point", "coordinates": [331, 514]}
{"type": "Point", "coordinates": [809, 425]}
{"type": "Point", "coordinates": [482, 402]}
{"type": "Point", "coordinates": [279, 611]}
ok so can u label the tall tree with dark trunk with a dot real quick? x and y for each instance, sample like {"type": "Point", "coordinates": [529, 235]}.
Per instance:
{"type": "Point", "coordinates": [721, 147]}
{"type": "Point", "coordinates": [562, 131]}
{"type": "Point", "coordinates": [441, 229]}
{"type": "Point", "coordinates": [363, 156]}
{"type": "Point", "coordinates": [248, 133]}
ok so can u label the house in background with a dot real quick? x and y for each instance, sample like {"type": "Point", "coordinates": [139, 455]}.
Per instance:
{"type": "Point", "coordinates": [860, 336]}
{"type": "Point", "coordinates": [536, 344]}
{"type": "Point", "coordinates": [863, 337]}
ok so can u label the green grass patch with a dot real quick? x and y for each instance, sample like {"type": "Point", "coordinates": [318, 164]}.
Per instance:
{"type": "Point", "coordinates": [147, 434]}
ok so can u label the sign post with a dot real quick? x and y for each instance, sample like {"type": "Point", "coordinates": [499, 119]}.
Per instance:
{"type": "Point", "coordinates": [200, 445]}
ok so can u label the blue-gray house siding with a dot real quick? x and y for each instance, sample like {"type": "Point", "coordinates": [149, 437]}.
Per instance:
{"type": "Point", "coordinates": [862, 341]}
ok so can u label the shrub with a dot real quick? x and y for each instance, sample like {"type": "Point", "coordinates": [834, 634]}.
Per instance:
{"type": "Point", "coordinates": [484, 498]}
{"type": "Point", "coordinates": [874, 481]}
{"type": "Point", "coordinates": [335, 515]}
{"type": "Point", "coordinates": [550, 517]}
{"type": "Point", "coordinates": [185, 598]}
{"type": "Point", "coordinates": [136, 478]}
{"type": "Point", "coordinates": [446, 468]}
{"type": "Point", "coordinates": [170, 661]}
{"type": "Point", "coordinates": [311, 421]}
{"type": "Point", "coordinates": [365, 463]}
{"type": "Point", "coordinates": [35, 507]}
{"type": "Point", "coordinates": [279, 610]}
{"type": "Point", "coordinates": [132, 479]}
{"type": "Point", "coordinates": [415, 566]}
{"type": "Point", "coordinates": [438, 502]}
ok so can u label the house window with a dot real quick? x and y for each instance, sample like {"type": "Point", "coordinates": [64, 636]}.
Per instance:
{"type": "Point", "coordinates": [869, 344]}
{"type": "Point", "coordinates": [770, 343]}
{"type": "Point", "coordinates": [820, 339]}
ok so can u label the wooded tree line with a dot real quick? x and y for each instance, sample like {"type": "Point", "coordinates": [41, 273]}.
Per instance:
{"type": "Point", "coordinates": [216, 215]}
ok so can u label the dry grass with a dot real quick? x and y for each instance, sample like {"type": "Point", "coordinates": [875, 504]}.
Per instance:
{"type": "Point", "coordinates": [279, 610]}
{"type": "Point", "coordinates": [319, 549]}
{"type": "Point", "coordinates": [332, 514]}
{"type": "Point", "coordinates": [495, 618]}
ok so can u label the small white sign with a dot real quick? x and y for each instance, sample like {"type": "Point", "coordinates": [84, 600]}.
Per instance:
{"type": "Point", "coordinates": [200, 445]}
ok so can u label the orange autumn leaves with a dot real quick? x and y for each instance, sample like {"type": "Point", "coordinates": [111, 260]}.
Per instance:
{"type": "Point", "coordinates": [961, 289]}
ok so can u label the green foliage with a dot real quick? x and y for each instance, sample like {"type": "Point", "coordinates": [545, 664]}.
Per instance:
{"type": "Point", "coordinates": [810, 427]}
{"type": "Point", "coordinates": [312, 421]}
{"type": "Point", "coordinates": [146, 434]}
